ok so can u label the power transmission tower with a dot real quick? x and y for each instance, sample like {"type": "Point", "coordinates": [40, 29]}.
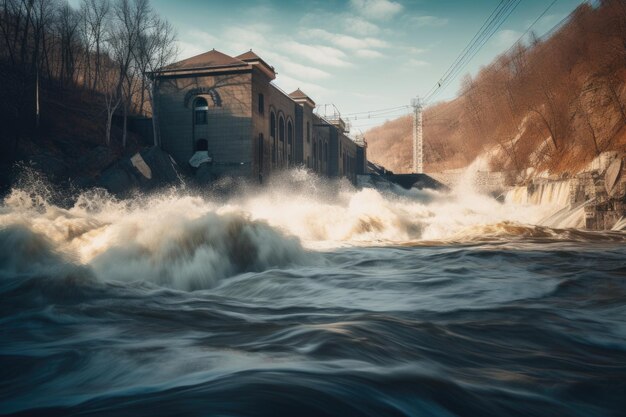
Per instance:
{"type": "Point", "coordinates": [418, 144]}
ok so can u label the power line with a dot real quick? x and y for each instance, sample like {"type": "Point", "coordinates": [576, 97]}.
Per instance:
{"type": "Point", "coordinates": [549, 33]}
{"type": "Point", "coordinates": [493, 26]}
{"type": "Point", "coordinates": [533, 24]}
{"type": "Point", "coordinates": [375, 115]}
{"type": "Point", "coordinates": [482, 36]}
{"type": "Point", "coordinates": [486, 31]}
{"type": "Point", "coordinates": [375, 111]}
{"type": "Point", "coordinates": [471, 42]}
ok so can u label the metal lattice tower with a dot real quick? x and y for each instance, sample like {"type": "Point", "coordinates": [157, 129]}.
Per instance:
{"type": "Point", "coordinates": [418, 144]}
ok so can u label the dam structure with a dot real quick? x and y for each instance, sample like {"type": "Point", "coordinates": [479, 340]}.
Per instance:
{"type": "Point", "coordinates": [223, 115]}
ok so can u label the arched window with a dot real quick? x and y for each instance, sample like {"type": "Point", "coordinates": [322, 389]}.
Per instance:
{"type": "Point", "coordinates": [281, 137]}
{"type": "Point", "coordinates": [308, 132]}
{"type": "Point", "coordinates": [273, 135]}
{"type": "Point", "coordinates": [260, 149]}
{"type": "Point", "coordinates": [281, 128]}
{"type": "Point", "coordinates": [200, 111]}
{"type": "Point", "coordinates": [290, 148]}
{"type": "Point", "coordinates": [320, 157]}
{"type": "Point", "coordinates": [202, 145]}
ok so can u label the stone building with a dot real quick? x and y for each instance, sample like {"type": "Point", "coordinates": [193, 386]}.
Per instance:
{"type": "Point", "coordinates": [229, 108]}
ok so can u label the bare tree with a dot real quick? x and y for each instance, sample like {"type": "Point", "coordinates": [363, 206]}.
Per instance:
{"type": "Point", "coordinates": [155, 49]}
{"type": "Point", "coordinates": [68, 23]}
{"type": "Point", "coordinates": [95, 14]}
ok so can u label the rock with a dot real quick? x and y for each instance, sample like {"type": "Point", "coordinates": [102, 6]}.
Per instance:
{"type": "Point", "coordinates": [96, 160]}
{"type": "Point", "coordinates": [204, 174]}
{"type": "Point", "coordinates": [52, 167]}
{"type": "Point", "coordinates": [612, 176]}
{"type": "Point", "coordinates": [150, 169]}
{"type": "Point", "coordinates": [163, 168]}
{"type": "Point", "coordinates": [117, 180]}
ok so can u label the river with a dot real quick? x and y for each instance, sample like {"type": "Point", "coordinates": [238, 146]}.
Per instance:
{"type": "Point", "coordinates": [306, 298]}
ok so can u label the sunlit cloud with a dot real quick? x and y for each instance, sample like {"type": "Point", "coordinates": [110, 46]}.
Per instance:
{"type": "Point", "coordinates": [187, 50]}
{"type": "Point", "coordinates": [359, 26]}
{"type": "Point", "coordinates": [288, 84]}
{"type": "Point", "coordinates": [376, 9]}
{"type": "Point", "coordinates": [345, 41]}
{"type": "Point", "coordinates": [285, 65]}
{"type": "Point", "coordinates": [417, 63]}
{"type": "Point", "coordinates": [319, 54]}
{"type": "Point", "coordinates": [431, 21]}
{"type": "Point", "coordinates": [368, 53]}
{"type": "Point", "coordinates": [506, 38]}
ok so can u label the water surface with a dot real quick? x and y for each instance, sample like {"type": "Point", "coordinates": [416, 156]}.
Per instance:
{"type": "Point", "coordinates": [288, 301]}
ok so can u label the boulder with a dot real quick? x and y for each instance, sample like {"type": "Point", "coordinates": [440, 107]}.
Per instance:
{"type": "Point", "coordinates": [146, 170]}
{"type": "Point", "coordinates": [612, 175]}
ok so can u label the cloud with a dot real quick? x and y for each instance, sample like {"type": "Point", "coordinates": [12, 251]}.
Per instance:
{"type": "Point", "coordinates": [368, 53]}
{"type": "Point", "coordinates": [187, 50]}
{"type": "Point", "coordinates": [284, 64]}
{"type": "Point", "coordinates": [196, 42]}
{"type": "Point", "coordinates": [242, 38]}
{"type": "Point", "coordinates": [289, 84]}
{"type": "Point", "coordinates": [201, 37]}
{"type": "Point", "coordinates": [360, 26]}
{"type": "Point", "coordinates": [506, 38]}
{"type": "Point", "coordinates": [376, 9]}
{"type": "Point", "coordinates": [345, 41]}
{"type": "Point", "coordinates": [415, 51]}
{"type": "Point", "coordinates": [417, 63]}
{"type": "Point", "coordinates": [238, 39]}
{"type": "Point", "coordinates": [546, 22]}
{"type": "Point", "coordinates": [320, 54]}
{"type": "Point", "coordinates": [432, 21]}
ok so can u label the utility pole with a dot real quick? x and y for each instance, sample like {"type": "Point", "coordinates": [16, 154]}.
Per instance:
{"type": "Point", "coordinates": [418, 144]}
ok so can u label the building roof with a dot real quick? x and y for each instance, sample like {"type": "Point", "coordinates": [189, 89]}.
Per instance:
{"type": "Point", "coordinates": [251, 57]}
{"type": "Point", "coordinates": [299, 95]}
{"type": "Point", "coordinates": [211, 59]}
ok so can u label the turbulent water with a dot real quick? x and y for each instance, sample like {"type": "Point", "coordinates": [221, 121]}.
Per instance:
{"type": "Point", "coordinates": [306, 298]}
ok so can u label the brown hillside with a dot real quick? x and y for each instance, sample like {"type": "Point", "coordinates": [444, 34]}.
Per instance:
{"type": "Point", "coordinates": [553, 105]}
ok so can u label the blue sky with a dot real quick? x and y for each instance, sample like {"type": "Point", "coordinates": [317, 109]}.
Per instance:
{"type": "Point", "coordinates": [360, 55]}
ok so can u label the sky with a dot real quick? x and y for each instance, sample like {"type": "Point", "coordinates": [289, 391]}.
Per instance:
{"type": "Point", "coordinates": [359, 55]}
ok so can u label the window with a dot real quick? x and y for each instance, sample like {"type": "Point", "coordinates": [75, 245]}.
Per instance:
{"type": "Point", "coordinates": [281, 138]}
{"type": "Point", "coordinates": [290, 148]}
{"type": "Point", "coordinates": [260, 152]}
{"type": "Point", "coordinates": [273, 135]}
{"type": "Point", "coordinates": [308, 132]}
{"type": "Point", "coordinates": [261, 104]}
{"type": "Point", "coordinates": [281, 128]}
{"type": "Point", "coordinates": [201, 110]}
{"type": "Point", "coordinates": [289, 133]}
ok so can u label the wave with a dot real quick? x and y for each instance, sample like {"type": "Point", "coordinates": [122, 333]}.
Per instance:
{"type": "Point", "coordinates": [192, 241]}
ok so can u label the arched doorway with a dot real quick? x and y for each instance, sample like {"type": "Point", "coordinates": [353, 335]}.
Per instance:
{"type": "Point", "coordinates": [202, 145]}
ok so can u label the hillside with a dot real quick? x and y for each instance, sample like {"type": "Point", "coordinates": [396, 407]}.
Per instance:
{"type": "Point", "coordinates": [74, 91]}
{"type": "Point", "coordinates": [553, 105]}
